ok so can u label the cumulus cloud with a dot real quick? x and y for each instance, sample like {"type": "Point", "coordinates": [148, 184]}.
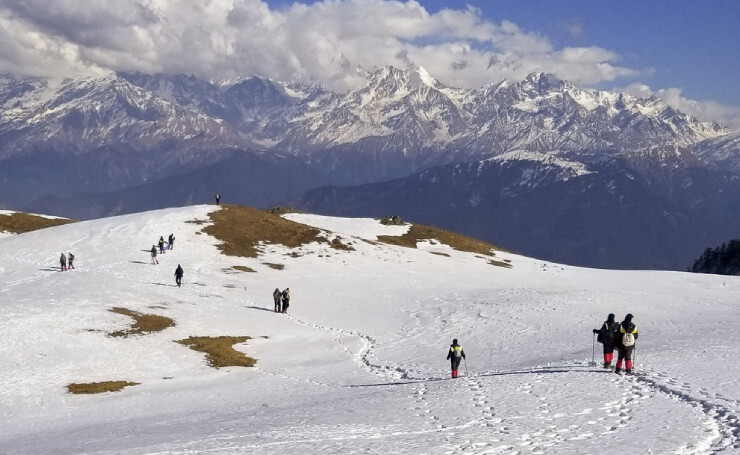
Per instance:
{"type": "Point", "coordinates": [323, 41]}
{"type": "Point", "coordinates": [701, 110]}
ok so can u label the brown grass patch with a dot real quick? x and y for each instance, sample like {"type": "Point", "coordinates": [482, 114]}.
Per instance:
{"type": "Point", "coordinates": [243, 268]}
{"type": "Point", "coordinates": [337, 244]}
{"type": "Point", "coordinates": [219, 350]}
{"type": "Point", "coordinates": [505, 265]}
{"type": "Point", "coordinates": [440, 254]}
{"type": "Point", "coordinates": [99, 387]}
{"type": "Point", "coordinates": [241, 229]}
{"type": "Point", "coordinates": [460, 242]}
{"type": "Point", "coordinates": [275, 266]}
{"type": "Point", "coordinates": [18, 223]}
{"type": "Point", "coordinates": [143, 323]}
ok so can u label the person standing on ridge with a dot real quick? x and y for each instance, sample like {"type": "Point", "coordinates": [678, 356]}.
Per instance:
{"type": "Point", "coordinates": [63, 263]}
{"type": "Point", "coordinates": [606, 336]}
{"type": "Point", "coordinates": [218, 199]}
{"type": "Point", "coordinates": [171, 240]}
{"type": "Point", "coordinates": [178, 275]}
{"type": "Point", "coordinates": [277, 296]}
{"type": "Point", "coordinates": [454, 355]}
{"type": "Point", "coordinates": [161, 244]}
{"type": "Point", "coordinates": [625, 344]}
{"type": "Point", "coordinates": [153, 252]}
{"type": "Point", "coordinates": [71, 260]}
{"type": "Point", "coordinates": [286, 300]}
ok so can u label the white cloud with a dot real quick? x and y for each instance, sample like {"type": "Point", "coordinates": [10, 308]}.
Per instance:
{"type": "Point", "coordinates": [702, 110]}
{"type": "Point", "coordinates": [323, 41]}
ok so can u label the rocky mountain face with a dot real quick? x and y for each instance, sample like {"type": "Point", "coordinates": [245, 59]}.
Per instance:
{"type": "Point", "coordinates": [134, 141]}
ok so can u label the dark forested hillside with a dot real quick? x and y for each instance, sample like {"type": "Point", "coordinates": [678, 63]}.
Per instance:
{"type": "Point", "coordinates": [723, 260]}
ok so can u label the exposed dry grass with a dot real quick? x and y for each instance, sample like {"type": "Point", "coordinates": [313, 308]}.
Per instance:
{"type": "Point", "coordinates": [243, 268]}
{"type": "Point", "coordinates": [143, 323]}
{"type": "Point", "coordinates": [460, 242]}
{"type": "Point", "coordinates": [274, 266]}
{"type": "Point", "coordinates": [440, 254]}
{"type": "Point", "coordinates": [99, 387]}
{"type": "Point", "coordinates": [505, 264]}
{"type": "Point", "coordinates": [19, 223]}
{"type": "Point", "coordinates": [337, 244]}
{"type": "Point", "coordinates": [219, 351]}
{"type": "Point", "coordinates": [241, 229]}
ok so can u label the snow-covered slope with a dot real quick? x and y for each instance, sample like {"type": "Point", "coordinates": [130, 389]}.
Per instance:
{"type": "Point", "coordinates": [358, 365]}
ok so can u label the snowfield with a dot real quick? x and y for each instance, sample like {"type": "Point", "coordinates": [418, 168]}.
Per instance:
{"type": "Point", "coordinates": [358, 365]}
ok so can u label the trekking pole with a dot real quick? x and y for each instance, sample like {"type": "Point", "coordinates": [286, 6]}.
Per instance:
{"type": "Point", "coordinates": [466, 366]}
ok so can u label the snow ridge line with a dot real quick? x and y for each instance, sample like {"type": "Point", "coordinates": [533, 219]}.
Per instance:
{"type": "Point", "coordinates": [727, 423]}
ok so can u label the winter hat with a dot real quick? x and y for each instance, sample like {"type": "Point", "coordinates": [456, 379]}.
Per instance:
{"type": "Point", "coordinates": [611, 317]}
{"type": "Point", "coordinates": [628, 318]}
{"type": "Point", "coordinates": [454, 341]}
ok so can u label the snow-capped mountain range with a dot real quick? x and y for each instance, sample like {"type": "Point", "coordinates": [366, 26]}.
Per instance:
{"type": "Point", "coordinates": [90, 147]}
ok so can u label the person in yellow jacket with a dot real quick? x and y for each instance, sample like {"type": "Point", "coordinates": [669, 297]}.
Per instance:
{"type": "Point", "coordinates": [454, 355]}
{"type": "Point", "coordinates": [625, 344]}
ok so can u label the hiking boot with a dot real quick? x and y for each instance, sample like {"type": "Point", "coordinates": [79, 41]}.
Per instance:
{"type": "Point", "coordinates": [607, 364]}
{"type": "Point", "coordinates": [628, 371]}
{"type": "Point", "coordinates": [617, 370]}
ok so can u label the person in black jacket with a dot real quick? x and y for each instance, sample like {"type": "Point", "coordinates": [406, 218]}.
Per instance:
{"type": "Point", "coordinates": [286, 299]}
{"type": "Point", "coordinates": [153, 252]}
{"type": "Point", "coordinates": [625, 343]}
{"type": "Point", "coordinates": [454, 355]}
{"type": "Point", "coordinates": [178, 275]}
{"type": "Point", "coordinates": [171, 241]}
{"type": "Point", "coordinates": [63, 263]}
{"type": "Point", "coordinates": [607, 334]}
{"type": "Point", "coordinates": [71, 260]}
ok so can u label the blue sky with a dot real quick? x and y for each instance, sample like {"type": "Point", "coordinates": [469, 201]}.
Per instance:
{"type": "Point", "coordinates": [686, 52]}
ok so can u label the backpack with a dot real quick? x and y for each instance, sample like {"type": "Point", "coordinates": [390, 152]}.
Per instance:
{"type": "Point", "coordinates": [628, 339]}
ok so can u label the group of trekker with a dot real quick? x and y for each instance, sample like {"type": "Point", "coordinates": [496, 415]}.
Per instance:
{"type": "Point", "coordinates": [619, 335]}
{"type": "Point", "coordinates": [281, 300]}
{"type": "Point", "coordinates": [612, 334]}
{"type": "Point", "coordinates": [66, 262]}
{"type": "Point", "coordinates": [163, 246]}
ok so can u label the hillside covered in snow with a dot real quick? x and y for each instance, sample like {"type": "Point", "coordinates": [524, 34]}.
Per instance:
{"type": "Point", "coordinates": [357, 365]}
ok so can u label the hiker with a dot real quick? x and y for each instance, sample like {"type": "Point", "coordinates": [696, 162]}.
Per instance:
{"type": "Point", "coordinates": [277, 296]}
{"type": "Point", "coordinates": [286, 299]}
{"type": "Point", "coordinates": [154, 255]}
{"type": "Point", "coordinates": [161, 244]}
{"type": "Point", "coordinates": [454, 355]}
{"type": "Point", "coordinates": [171, 241]}
{"type": "Point", "coordinates": [178, 275]}
{"type": "Point", "coordinates": [63, 262]}
{"type": "Point", "coordinates": [606, 336]}
{"type": "Point", "coordinates": [71, 260]}
{"type": "Point", "coordinates": [625, 344]}
{"type": "Point", "coordinates": [218, 198]}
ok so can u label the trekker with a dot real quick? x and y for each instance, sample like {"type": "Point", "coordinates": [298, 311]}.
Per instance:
{"type": "Point", "coordinates": [153, 251]}
{"type": "Point", "coordinates": [218, 198]}
{"type": "Point", "coordinates": [277, 296]}
{"type": "Point", "coordinates": [625, 344]}
{"type": "Point", "coordinates": [286, 300]}
{"type": "Point", "coordinates": [63, 263]}
{"type": "Point", "coordinates": [71, 260]}
{"type": "Point", "coordinates": [178, 275]}
{"type": "Point", "coordinates": [607, 335]}
{"type": "Point", "coordinates": [161, 244]}
{"type": "Point", "coordinates": [454, 355]}
{"type": "Point", "coordinates": [171, 240]}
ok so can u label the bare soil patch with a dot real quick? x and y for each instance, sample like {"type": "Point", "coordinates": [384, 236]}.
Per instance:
{"type": "Point", "coordinates": [99, 387]}
{"type": "Point", "coordinates": [460, 242]}
{"type": "Point", "coordinates": [243, 268]}
{"type": "Point", "coordinates": [241, 229]}
{"type": "Point", "coordinates": [440, 254]}
{"type": "Point", "coordinates": [505, 264]}
{"type": "Point", "coordinates": [219, 350]}
{"type": "Point", "coordinates": [143, 323]}
{"type": "Point", "coordinates": [18, 223]}
{"type": "Point", "coordinates": [275, 266]}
